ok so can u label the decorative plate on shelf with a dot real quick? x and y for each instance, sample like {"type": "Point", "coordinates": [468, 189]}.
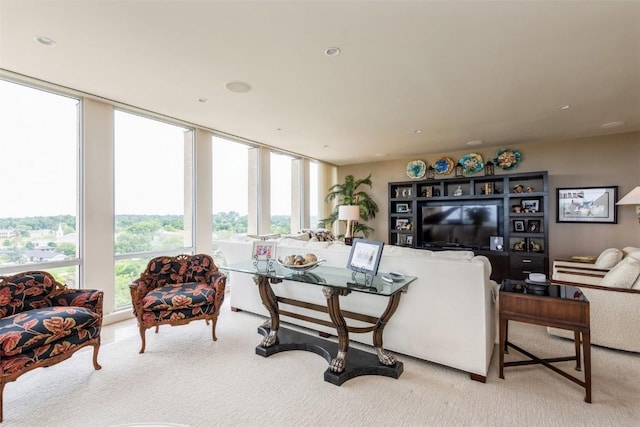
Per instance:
{"type": "Point", "coordinates": [416, 169]}
{"type": "Point", "coordinates": [507, 159]}
{"type": "Point", "coordinates": [471, 163]}
{"type": "Point", "coordinates": [443, 166]}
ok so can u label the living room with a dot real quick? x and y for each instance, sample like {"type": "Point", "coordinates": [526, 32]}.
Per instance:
{"type": "Point", "coordinates": [578, 146]}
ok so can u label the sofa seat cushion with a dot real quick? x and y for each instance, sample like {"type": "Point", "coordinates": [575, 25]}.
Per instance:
{"type": "Point", "coordinates": [47, 328]}
{"type": "Point", "coordinates": [179, 296]}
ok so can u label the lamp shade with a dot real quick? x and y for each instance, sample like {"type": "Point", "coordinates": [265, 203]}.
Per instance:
{"type": "Point", "coordinates": [632, 198]}
{"type": "Point", "coordinates": [348, 213]}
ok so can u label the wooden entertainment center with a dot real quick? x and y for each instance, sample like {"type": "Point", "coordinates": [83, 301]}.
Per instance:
{"type": "Point", "coordinates": [513, 207]}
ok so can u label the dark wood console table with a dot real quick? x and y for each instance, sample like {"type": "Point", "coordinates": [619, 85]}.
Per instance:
{"type": "Point", "coordinates": [333, 282]}
{"type": "Point", "coordinates": [555, 306]}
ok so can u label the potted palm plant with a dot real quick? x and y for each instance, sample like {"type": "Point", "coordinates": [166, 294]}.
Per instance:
{"type": "Point", "coordinates": [350, 193]}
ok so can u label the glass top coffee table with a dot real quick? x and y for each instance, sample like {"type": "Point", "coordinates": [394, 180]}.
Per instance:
{"type": "Point", "coordinates": [333, 283]}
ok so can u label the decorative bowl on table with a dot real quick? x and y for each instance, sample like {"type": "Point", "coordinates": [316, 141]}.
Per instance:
{"type": "Point", "coordinates": [300, 267]}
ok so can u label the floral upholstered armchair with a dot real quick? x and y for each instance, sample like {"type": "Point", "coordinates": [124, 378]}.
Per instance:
{"type": "Point", "coordinates": [177, 290]}
{"type": "Point", "coordinates": [42, 323]}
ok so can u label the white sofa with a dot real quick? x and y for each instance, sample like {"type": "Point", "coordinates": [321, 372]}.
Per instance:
{"type": "Point", "coordinates": [612, 287]}
{"type": "Point", "coordinates": [448, 315]}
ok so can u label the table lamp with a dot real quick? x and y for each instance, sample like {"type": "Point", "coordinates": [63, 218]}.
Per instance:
{"type": "Point", "coordinates": [632, 198]}
{"type": "Point", "coordinates": [348, 213]}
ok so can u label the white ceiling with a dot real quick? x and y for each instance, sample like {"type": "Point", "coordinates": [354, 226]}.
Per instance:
{"type": "Point", "coordinates": [458, 71]}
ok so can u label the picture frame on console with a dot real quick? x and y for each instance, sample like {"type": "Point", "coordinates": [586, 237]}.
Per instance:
{"type": "Point", "coordinates": [587, 205]}
{"type": "Point", "coordinates": [365, 256]}
{"type": "Point", "coordinates": [264, 251]}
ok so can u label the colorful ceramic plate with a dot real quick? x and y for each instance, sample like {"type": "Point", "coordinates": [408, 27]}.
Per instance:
{"type": "Point", "coordinates": [507, 159]}
{"type": "Point", "coordinates": [416, 169]}
{"type": "Point", "coordinates": [471, 163]}
{"type": "Point", "coordinates": [443, 166]}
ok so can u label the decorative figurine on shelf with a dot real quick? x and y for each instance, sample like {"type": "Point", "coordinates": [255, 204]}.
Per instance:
{"type": "Point", "coordinates": [516, 208]}
{"type": "Point", "coordinates": [489, 168]}
{"type": "Point", "coordinates": [530, 190]}
{"type": "Point", "coordinates": [518, 188]}
{"type": "Point", "coordinates": [459, 170]}
{"type": "Point", "coordinates": [458, 191]}
{"type": "Point", "coordinates": [431, 172]}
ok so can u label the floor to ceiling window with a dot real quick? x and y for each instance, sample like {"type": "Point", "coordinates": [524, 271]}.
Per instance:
{"type": "Point", "coordinates": [153, 195]}
{"type": "Point", "coordinates": [280, 187]}
{"type": "Point", "coordinates": [230, 187]}
{"type": "Point", "coordinates": [314, 194]}
{"type": "Point", "coordinates": [39, 148]}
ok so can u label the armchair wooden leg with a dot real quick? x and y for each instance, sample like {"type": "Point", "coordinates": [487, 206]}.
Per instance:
{"type": "Point", "coordinates": [213, 328]}
{"type": "Point", "coordinates": [96, 347]}
{"type": "Point", "coordinates": [142, 335]}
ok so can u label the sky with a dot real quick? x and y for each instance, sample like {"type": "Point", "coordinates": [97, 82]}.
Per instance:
{"type": "Point", "coordinates": [38, 154]}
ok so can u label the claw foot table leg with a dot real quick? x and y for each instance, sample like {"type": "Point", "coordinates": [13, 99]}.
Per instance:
{"type": "Point", "coordinates": [271, 303]}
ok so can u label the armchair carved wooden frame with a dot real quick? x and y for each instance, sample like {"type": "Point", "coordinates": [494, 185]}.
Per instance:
{"type": "Point", "coordinates": [176, 290]}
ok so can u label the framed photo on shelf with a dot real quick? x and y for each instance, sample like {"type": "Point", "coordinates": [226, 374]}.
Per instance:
{"type": "Point", "coordinates": [409, 240]}
{"type": "Point", "coordinates": [402, 208]}
{"type": "Point", "coordinates": [518, 225]}
{"type": "Point", "coordinates": [365, 256]}
{"type": "Point", "coordinates": [530, 205]}
{"type": "Point", "coordinates": [403, 224]}
{"type": "Point", "coordinates": [587, 204]}
{"type": "Point", "coordinates": [402, 239]}
{"type": "Point", "coordinates": [264, 251]}
{"type": "Point", "coordinates": [533, 226]}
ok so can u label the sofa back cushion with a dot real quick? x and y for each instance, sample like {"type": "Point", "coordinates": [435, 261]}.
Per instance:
{"type": "Point", "coordinates": [623, 275]}
{"type": "Point", "coordinates": [25, 291]}
{"type": "Point", "coordinates": [608, 258]}
{"type": "Point", "coordinates": [168, 270]}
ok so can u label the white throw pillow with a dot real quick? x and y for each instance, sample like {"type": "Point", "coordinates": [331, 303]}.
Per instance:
{"type": "Point", "coordinates": [609, 258]}
{"type": "Point", "coordinates": [629, 250]}
{"type": "Point", "coordinates": [623, 275]}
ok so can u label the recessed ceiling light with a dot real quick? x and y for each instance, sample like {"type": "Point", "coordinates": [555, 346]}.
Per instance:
{"type": "Point", "coordinates": [332, 51]}
{"type": "Point", "coordinates": [564, 107]}
{"type": "Point", "coordinates": [238, 87]}
{"type": "Point", "coordinates": [613, 124]}
{"type": "Point", "coordinates": [475, 142]}
{"type": "Point", "coordinates": [45, 41]}
{"type": "Point", "coordinates": [417, 131]}
{"type": "Point", "coordinates": [202, 99]}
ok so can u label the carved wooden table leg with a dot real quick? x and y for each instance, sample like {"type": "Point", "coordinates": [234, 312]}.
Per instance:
{"type": "Point", "coordinates": [333, 303]}
{"type": "Point", "coordinates": [384, 356]}
{"type": "Point", "coordinates": [271, 303]}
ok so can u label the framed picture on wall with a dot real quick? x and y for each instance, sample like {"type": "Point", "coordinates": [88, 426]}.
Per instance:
{"type": "Point", "coordinates": [587, 204]}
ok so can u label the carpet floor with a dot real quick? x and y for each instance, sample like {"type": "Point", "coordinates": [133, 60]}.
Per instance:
{"type": "Point", "coordinates": [186, 378]}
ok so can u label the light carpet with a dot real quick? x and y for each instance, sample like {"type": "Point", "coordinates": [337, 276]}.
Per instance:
{"type": "Point", "coordinates": [184, 377]}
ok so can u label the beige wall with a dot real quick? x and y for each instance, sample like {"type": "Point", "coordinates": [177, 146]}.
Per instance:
{"type": "Point", "coordinates": [589, 162]}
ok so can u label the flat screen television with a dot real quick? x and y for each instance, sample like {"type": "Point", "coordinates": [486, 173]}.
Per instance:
{"type": "Point", "coordinates": [460, 224]}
